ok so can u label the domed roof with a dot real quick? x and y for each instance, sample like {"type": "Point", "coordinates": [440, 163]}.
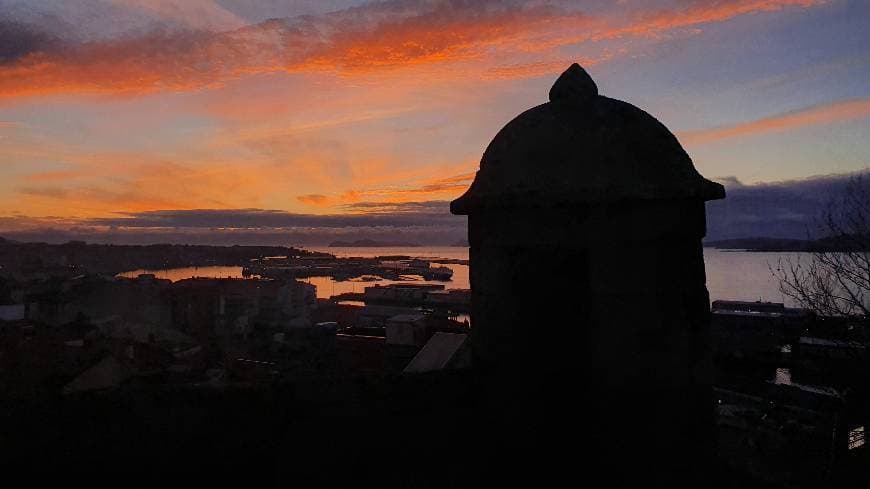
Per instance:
{"type": "Point", "coordinates": [582, 147]}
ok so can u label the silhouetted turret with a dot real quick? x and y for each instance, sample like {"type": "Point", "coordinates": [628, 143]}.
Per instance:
{"type": "Point", "coordinates": [590, 311]}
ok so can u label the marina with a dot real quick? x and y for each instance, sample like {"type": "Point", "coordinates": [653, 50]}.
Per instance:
{"type": "Point", "coordinates": [369, 269]}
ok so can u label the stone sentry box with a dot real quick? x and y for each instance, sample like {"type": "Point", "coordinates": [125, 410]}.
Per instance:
{"type": "Point", "coordinates": [590, 309]}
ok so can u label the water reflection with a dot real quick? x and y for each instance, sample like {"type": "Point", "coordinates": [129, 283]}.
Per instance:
{"type": "Point", "coordinates": [326, 286]}
{"type": "Point", "coordinates": [730, 275]}
{"type": "Point", "coordinates": [176, 274]}
{"type": "Point", "coordinates": [745, 276]}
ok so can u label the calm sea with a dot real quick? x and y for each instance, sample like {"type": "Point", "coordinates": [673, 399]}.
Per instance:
{"type": "Point", "coordinates": [730, 274]}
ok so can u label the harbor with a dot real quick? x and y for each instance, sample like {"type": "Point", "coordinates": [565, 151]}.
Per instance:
{"type": "Point", "coordinates": [397, 268]}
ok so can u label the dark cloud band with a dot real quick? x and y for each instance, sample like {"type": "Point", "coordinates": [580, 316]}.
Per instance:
{"type": "Point", "coordinates": [18, 40]}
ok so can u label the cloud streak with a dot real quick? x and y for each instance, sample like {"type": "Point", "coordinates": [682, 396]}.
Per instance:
{"type": "Point", "coordinates": [18, 40]}
{"type": "Point", "coordinates": [397, 215]}
{"type": "Point", "coordinates": [371, 199]}
{"type": "Point", "coordinates": [371, 38]}
{"type": "Point", "coordinates": [195, 14]}
{"type": "Point", "coordinates": [787, 209]}
{"type": "Point", "coordinates": [420, 222]}
{"type": "Point", "coordinates": [822, 114]}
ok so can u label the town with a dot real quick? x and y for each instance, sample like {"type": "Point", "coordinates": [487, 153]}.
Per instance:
{"type": "Point", "coordinates": [67, 329]}
{"type": "Point", "coordinates": [781, 373]}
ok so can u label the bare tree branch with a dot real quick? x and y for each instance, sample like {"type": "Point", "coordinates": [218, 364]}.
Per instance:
{"type": "Point", "coordinates": [835, 280]}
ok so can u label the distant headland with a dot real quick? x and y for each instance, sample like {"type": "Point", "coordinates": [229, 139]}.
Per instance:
{"type": "Point", "coordinates": [829, 244]}
{"type": "Point", "coordinates": [370, 243]}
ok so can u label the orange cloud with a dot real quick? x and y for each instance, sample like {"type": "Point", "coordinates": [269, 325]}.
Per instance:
{"type": "Point", "coordinates": [94, 184]}
{"type": "Point", "coordinates": [361, 40]}
{"type": "Point", "coordinates": [54, 176]}
{"type": "Point", "coordinates": [822, 114]}
{"type": "Point", "coordinates": [454, 34]}
{"type": "Point", "coordinates": [425, 190]}
{"type": "Point", "coordinates": [528, 70]}
{"type": "Point", "coordinates": [195, 60]}
{"type": "Point", "coordinates": [541, 68]}
{"type": "Point", "coordinates": [567, 30]}
{"type": "Point", "coordinates": [458, 182]}
{"type": "Point", "coordinates": [314, 199]}
{"type": "Point", "coordinates": [227, 169]}
{"type": "Point", "coordinates": [703, 12]}
{"type": "Point", "coordinates": [136, 183]}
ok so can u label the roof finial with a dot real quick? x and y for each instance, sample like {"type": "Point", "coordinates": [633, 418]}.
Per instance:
{"type": "Point", "coordinates": [574, 87]}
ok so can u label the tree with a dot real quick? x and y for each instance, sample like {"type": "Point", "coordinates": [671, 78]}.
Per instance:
{"type": "Point", "coordinates": [835, 279]}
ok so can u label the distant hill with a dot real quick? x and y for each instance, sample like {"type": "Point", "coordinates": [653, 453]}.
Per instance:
{"type": "Point", "coordinates": [761, 244]}
{"type": "Point", "coordinates": [833, 243]}
{"type": "Point", "coordinates": [113, 259]}
{"type": "Point", "coordinates": [370, 243]}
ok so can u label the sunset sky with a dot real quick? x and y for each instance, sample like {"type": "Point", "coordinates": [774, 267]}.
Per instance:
{"type": "Point", "coordinates": [283, 116]}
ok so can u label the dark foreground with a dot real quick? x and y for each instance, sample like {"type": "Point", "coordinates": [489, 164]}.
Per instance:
{"type": "Point", "coordinates": [436, 430]}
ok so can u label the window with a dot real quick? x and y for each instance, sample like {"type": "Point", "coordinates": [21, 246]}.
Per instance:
{"type": "Point", "coordinates": [856, 438]}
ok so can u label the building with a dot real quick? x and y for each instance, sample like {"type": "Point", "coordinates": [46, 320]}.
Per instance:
{"type": "Point", "coordinates": [376, 315]}
{"type": "Point", "coordinates": [234, 308]}
{"type": "Point", "coordinates": [752, 335]}
{"type": "Point", "coordinates": [415, 294]}
{"type": "Point", "coordinates": [407, 330]}
{"type": "Point", "coordinates": [143, 300]}
{"type": "Point", "coordinates": [831, 361]}
{"type": "Point", "coordinates": [585, 222]}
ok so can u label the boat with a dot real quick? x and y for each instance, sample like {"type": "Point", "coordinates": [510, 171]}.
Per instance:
{"type": "Point", "coordinates": [438, 273]}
